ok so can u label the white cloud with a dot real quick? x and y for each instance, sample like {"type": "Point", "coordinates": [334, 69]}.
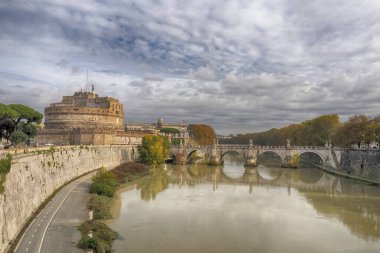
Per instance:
{"type": "Point", "coordinates": [239, 65]}
{"type": "Point", "coordinates": [203, 73]}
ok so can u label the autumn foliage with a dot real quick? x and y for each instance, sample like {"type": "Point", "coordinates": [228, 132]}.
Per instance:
{"type": "Point", "coordinates": [202, 134]}
{"type": "Point", "coordinates": [315, 132]}
{"type": "Point", "coordinates": [154, 149]}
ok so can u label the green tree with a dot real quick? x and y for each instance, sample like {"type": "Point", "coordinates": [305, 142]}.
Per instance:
{"type": "Point", "coordinates": [372, 132]}
{"type": "Point", "coordinates": [18, 137]}
{"type": "Point", "coordinates": [154, 149]}
{"type": "Point", "coordinates": [170, 130]}
{"type": "Point", "coordinates": [26, 113]}
{"type": "Point", "coordinates": [310, 132]}
{"type": "Point", "coordinates": [7, 113]}
{"type": "Point", "coordinates": [6, 128]}
{"type": "Point", "coordinates": [29, 129]}
{"type": "Point", "coordinates": [202, 134]}
{"type": "Point", "coordinates": [353, 131]}
{"type": "Point", "coordinates": [320, 129]}
{"type": "Point", "coordinates": [17, 117]}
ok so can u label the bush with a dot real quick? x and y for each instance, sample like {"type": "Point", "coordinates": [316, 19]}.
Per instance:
{"type": "Point", "coordinates": [5, 164]}
{"type": "Point", "coordinates": [102, 188]}
{"type": "Point", "coordinates": [101, 207]}
{"type": "Point", "coordinates": [103, 234]}
{"type": "Point", "coordinates": [104, 183]}
{"type": "Point", "coordinates": [88, 243]}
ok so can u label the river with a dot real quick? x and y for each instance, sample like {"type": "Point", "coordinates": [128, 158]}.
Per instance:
{"type": "Point", "coordinates": [200, 208]}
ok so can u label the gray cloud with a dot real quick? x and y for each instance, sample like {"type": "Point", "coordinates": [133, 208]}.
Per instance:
{"type": "Point", "coordinates": [239, 65]}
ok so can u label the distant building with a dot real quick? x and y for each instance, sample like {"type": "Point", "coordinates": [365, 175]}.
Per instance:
{"type": "Point", "coordinates": [363, 145]}
{"type": "Point", "coordinates": [161, 128]}
{"type": "Point", "coordinates": [85, 118]}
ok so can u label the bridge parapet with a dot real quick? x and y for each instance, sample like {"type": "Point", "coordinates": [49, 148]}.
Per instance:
{"type": "Point", "coordinates": [269, 147]}
{"type": "Point", "coordinates": [310, 147]}
{"type": "Point", "coordinates": [215, 153]}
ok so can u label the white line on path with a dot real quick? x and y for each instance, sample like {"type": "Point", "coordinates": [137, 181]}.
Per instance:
{"type": "Point", "coordinates": [43, 210]}
{"type": "Point", "coordinates": [51, 218]}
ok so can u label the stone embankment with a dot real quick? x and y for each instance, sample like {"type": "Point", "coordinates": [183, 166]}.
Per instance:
{"type": "Point", "coordinates": [361, 164]}
{"type": "Point", "coordinates": [35, 177]}
{"type": "Point", "coordinates": [364, 163]}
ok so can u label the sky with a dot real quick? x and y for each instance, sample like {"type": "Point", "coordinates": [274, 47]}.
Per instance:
{"type": "Point", "coordinates": [240, 66]}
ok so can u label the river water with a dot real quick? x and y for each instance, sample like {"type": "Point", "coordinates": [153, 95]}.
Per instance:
{"type": "Point", "coordinates": [199, 208]}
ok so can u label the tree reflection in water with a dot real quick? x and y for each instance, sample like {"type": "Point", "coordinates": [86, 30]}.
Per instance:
{"type": "Point", "coordinates": [157, 181]}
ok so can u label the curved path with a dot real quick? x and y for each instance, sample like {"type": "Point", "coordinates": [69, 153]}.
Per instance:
{"type": "Point", "coordinates": [55, 229]}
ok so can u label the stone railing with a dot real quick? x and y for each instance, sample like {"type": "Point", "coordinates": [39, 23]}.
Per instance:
{"type": "Point", "coordinates": [242, 146]}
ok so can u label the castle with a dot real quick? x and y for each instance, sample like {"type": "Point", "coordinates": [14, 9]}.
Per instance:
{"type": "Point", "coordinates": [85, 118]}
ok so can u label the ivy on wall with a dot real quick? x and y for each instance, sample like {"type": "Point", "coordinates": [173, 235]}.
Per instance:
{"type": "Point", "coordinates": [5, 167]}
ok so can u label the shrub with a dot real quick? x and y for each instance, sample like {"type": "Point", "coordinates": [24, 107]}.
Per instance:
{"type": "Point", "coordinates": [104, 183]}
{"type": "Point", "coordinates": [102, 188]}
{"type": "Point", "coordinates": [88, 243]}
{"type": "Point", "coordinates": [103, 234]}
{"type": "Point", "coordinates": [101, 207]}
{"type": "Point", "coordinates": [5, 164]}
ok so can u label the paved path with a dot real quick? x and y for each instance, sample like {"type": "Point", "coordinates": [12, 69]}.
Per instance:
{"type": "Point", "coordinates": [55, 229]}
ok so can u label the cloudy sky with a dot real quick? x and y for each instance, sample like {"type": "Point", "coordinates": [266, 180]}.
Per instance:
{"type": "Point", "coordinates": [240, 65]}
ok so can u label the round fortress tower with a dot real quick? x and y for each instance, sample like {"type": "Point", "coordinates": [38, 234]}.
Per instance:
{"type": "Point", "coordinates": [85, 110]}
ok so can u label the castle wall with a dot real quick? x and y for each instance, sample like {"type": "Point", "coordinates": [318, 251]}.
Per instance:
{"type": "Point", "coordinates": [69, 117]}
{"type": "Point", "coordinates": [87, 137]}
{"type": "Point", "coordinates": [32, 179]}
{"type": "Point", "coordinates": [54, 136]}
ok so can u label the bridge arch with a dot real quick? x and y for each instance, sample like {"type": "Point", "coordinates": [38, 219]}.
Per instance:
{"type": "Point", "coordinates": [273, 152]}
{"type": "Point", "coordinates": [172, 154]}
{"type": "Point", "coordinates": [322, 159]}
{"type": "Point", "coordinates": [231, 152]}
{"type": "Point", "coordinates": [189, 154]}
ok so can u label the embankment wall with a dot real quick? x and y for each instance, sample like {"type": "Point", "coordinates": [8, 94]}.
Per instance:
{"type": "Point", "coordinates": [34, 177]}
{"type": "Point", "coordinates": [362, 163]}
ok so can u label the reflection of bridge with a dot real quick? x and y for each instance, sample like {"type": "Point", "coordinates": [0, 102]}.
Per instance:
{"type": "Point", "coordinates": [215, 153]}
{"type": "Point", "coordinates": [311, 179]}
{"type": "Point", "coordinates": [357, 203]}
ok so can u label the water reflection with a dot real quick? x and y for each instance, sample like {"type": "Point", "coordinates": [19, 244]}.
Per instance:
{"type": "Point", "coordinates": [291, 205]}
{"type": "Point", "coordinates": [158, 181]}
{"type": "Point", "coordinates": [232, 165]}
{"type": "Point", "coordinates": [269, 173]}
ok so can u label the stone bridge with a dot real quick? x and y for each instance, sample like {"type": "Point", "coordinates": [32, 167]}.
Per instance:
{"type": "Point", "coordinates": [215, 153]}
